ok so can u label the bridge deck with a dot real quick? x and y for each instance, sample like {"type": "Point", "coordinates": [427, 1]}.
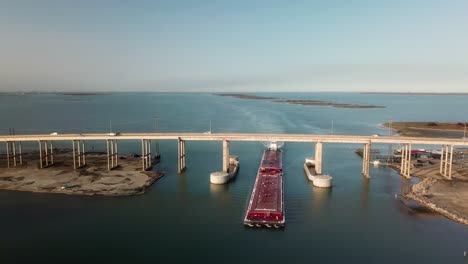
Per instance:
{"type": "Point", "coordinates": [357, 139]}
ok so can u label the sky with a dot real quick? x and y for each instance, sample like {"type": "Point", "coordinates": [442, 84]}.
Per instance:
{"type": "Point", "coordinates": [249, 46]}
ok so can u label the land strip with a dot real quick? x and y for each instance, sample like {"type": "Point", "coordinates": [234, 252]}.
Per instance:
{"type": "Point", "coordinates": [299, 102]}
{"type": "Point", "coordinates": [428, 129]}
{"type": "Point", "coordinates": [93, 179]}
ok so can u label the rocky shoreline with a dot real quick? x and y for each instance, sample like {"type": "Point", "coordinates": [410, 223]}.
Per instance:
{"type": "Point", "coordinates": [421, 194]}
{"type": "Point", "coordinates": [93, 179]}
{"type": "Point", "coordinates": [442, 196]}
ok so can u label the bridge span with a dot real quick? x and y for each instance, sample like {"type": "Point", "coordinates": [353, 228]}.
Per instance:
{"type": "Point", "coordinates": [46, 155]}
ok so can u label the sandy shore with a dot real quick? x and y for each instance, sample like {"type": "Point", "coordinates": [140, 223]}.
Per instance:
{"type": "Point", "coordinates": [94, 179]}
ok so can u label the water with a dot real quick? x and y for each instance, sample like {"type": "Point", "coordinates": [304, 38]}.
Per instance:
{"type": "Point", "coordinates": [184, 218]}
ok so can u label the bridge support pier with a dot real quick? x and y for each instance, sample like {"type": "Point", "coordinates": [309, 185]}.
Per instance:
{"type": "Point", "coordinates": [181, 156]}
{"type": "Point", "coordinates": [11, 145]}
{"type": "Point", "coordinates": [79, 154]}
{"type": "Point", "coordinates": [366, 159]}
{"type": "Point", "coordinates": [446, 159]}
{"type": "Point", "coordinates": [405, 168]}
{"type": "Point", "coordinates": [226, 156]}
{"type": "Point", "coordinates": [46, 159]}
{"type": "Point", "coordinates": [318, 157]}
{"type": "Point", "coordinates": [146, 160]}
{"type": "Point", "coordinates": [112, 154]}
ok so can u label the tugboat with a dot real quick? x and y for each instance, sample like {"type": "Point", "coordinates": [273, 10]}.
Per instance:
{"type": "Point", "coordinates": [266, 204]}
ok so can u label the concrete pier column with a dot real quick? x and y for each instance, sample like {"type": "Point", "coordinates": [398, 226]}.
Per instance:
{"type": "Point", "coordinates": [8, 153]}
{"type": "Point", "coordinates": [181, 156]}
{"type": "Point", "coordinates": [143, 160]}
{"type": "Point", "coordinates": [40, 154]}
{"type": "Point", "coordinates": [318, 157]}
{"type": "Point", "coordinates": [405, 169]}
{"type": "Point", "coordinates": [52, 152]}
{"type": "Point", "coordinates": [74, 155]}
{"type": "Point", "coordinates": [408, 164]}
{"type": "Point", "coordinates": [116, 153]}
{"type": "Point", "coordinates": [112, 154]}
{"type": "Point", "coordinates": [366, 160]}
{"type": "Point", "coordinates": [446, 160]}
{"type": "Point", "coordinates": [108, 155]}
{"type": "Point", "coordinates": [79, 154]}
{"type": "Point", "coordinates": [46, 154]}
{"type": "Point", "coordinates": [403, 159]}
{"type": "Point", "coordinates": [14, 153]}
{"type": "Point", "coordinates": [21, 152]}
{"type": "Point", "coordinates": [226, 156]}
{"type": "Point", "coordinates": [83, 153]}
{"type": "Point", "coordinates": [449, 175]}
{"type": "Point", "coordinates": [442, 158]}
{"type": "Point", "coordinates": [146, 154]}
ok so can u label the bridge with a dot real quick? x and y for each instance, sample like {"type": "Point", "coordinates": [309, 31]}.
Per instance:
{"type": "Point", "coordinates": [46, 155]}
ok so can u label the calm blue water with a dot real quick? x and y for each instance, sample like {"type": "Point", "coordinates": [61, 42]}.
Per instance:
{"type": "Point", "coordinates": [184, 218]}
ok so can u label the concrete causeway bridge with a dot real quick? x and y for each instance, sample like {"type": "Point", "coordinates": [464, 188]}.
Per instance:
{"type": "Point", "coordinates": [14, 153]}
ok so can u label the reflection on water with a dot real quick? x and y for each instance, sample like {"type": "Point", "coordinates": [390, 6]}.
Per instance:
{"type": "Point", "coordinates": [217, 189]}
{"type": "Point", "coordinates": [405, 186]}
{"type": "Point", "coordinates": [320, 196]}
{"type": "Point", "coordinates": [365, 186]}
{"type": "Point", "coordinates": [182, 194]}
{"type": "Point", "coordinates": [220, 193]}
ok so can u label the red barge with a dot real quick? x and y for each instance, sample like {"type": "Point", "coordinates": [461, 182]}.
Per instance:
{"type": "Point", "coordinates": [266, 205]}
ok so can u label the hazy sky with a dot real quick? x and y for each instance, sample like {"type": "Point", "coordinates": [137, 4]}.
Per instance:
{"type": "Point", "coordinates": [392, 45]}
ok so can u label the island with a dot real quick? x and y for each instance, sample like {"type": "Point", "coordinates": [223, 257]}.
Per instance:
{"type": "Point", "coordinates": [299, 102]}
{"type": "Point", "coordinates": [326, 103]}
{"type": "Point", "coordinates": [93, 179]}
{"type": "Point", "coordinates": [246, 96]}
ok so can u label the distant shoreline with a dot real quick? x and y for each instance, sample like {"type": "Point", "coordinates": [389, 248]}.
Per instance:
{"type": "Point", "coordinates": [298, 102]}
{"type": "Point", "coordinates": [412, 93]}
{"type": "Point", "coordinates": [427, 129]}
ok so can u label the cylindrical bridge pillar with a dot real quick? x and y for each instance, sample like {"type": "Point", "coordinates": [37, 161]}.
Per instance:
{"type": "Point", "coordinates": [226, 156]}
{"type": "Point", "coordinates": [318, 157]}
{"type": "Point", "coordinates": [366, 159]}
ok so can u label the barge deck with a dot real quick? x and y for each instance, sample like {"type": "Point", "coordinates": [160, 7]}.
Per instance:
{"type": "Point", "coordinates": [266, 205]}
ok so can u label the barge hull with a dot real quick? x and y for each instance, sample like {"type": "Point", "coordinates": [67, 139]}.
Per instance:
{"type": "Point", "coordinates": [266, 205]}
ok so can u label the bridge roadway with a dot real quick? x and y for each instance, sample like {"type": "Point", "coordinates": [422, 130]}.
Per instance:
{"type": "Point", "coordinates": [79, 153]}
{"type": "Point", "coordinates": [335, 138]}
